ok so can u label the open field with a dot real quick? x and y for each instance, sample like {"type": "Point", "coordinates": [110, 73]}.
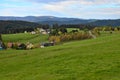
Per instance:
{"type": "Point", "coordinates": [93, 59]}
{"type": "Point", "coordinates": [70, 29]}
{"type": "Point", "coordinates": [25, 37]}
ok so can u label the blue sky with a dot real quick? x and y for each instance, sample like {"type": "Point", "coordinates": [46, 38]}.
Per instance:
{"type": "Point", "coordinates": [86, 9]}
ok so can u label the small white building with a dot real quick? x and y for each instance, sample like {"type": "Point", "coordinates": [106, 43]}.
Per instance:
{"type": "Point", "coordinates": [43, 31]}
{"type": "Point", "coordinates": [33, 32]}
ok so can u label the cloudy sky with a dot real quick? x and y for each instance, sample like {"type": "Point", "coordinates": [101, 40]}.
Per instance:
{"type": "Point", "coordinates": [86, 9]}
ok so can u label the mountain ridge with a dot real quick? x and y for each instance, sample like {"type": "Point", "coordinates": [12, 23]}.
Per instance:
{"type": "Point", "coordinates": [63, 20]}
{"type": "Point", "coordinates": [39, 19]}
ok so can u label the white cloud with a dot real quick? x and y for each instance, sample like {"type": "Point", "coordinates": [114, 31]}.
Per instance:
{"type": "Point", "coordinates": [69, 8]}
{"type": "Point", "coordinates": [85, 8]}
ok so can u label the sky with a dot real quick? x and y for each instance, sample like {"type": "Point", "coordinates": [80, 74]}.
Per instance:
{"type": "Point", "coordinates": [85, 9]}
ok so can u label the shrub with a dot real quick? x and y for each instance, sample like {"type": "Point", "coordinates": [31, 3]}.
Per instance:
{"type": "Point", "coordinates": [69, 37]}
{"type": "Point", "coordinates": [14, 45]}
{"type": "Point", "coordinates": [55, 39]}
{"type": "Point", "coordinates": [21, 47]}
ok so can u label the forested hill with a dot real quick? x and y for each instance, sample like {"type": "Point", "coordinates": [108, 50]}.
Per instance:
{"type": "Point", "coordinates": [16, 26]}
{"type": "Point", "coordinates": [63, 20]}
{"type": "Point", "coordinates": [106, 23]}
{"type": "Point", "coordinates": [48, 19]}
{"type": "Point", "coordinates": [8, 26]}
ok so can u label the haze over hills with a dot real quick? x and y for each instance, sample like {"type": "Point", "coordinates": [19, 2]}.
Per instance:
{"type": "Point", "coordinates": [62, 20]}
{"type": "Point", "coordinates": [106, 22]}
{"type": "Point", "coordinates": [48, 19]}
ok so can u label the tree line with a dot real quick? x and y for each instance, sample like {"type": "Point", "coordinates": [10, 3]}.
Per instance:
{"type": "Point", "coordinates": [8, 27]}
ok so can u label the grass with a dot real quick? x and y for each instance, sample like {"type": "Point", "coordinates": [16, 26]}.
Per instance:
{"type": "Point", "coordinates": [93, 59]}
{"type": "Point", "coordinates": [70, 29]}
{"type": "Point", "coordinates": [107, 33]}
{"type": "Point", "coordinates": [25, 37]}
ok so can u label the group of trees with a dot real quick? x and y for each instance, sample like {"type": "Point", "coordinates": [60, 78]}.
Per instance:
{"type": "Point", "coordinates": [21, 26]}
{"type": "Point", "coordinates": [80, 26]}
{"type": "Point", "coordinates": [58, 31]}
{"type": "Point", "coordinates": [106, 28]}
{"type": "Point", "coordinates": [7, 27]}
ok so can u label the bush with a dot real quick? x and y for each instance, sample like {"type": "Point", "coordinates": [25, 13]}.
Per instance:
{"type": "Point", "coordinates": [69, 37]}
{"type": "Point", "coordinates": [55, 39]}
{"type": "Point", "coordinates": [15, 45]}
{"type": "Point", "coordinates": [21, 47]}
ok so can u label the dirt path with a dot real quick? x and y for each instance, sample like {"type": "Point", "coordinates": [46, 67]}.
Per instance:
{"type": "Point", "coordinates": [92, 35]}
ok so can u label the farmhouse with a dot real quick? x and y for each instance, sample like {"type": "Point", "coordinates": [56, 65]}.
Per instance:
{"type": "Point", "coordinates": [33, 32]}
{"type": "Point", "coordinates": [43, 31]}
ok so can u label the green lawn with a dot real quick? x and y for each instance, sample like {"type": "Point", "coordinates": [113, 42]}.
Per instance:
{"type": "Point", "coordinates": [93, 59]}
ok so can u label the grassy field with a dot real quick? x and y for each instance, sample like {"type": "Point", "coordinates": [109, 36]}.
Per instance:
{"type": "Point", "coordinates": [25, 37]}
{"type": "Point", "coordinates": [70, 29]}
{"type": "Point", "coordinates": [93, 59]}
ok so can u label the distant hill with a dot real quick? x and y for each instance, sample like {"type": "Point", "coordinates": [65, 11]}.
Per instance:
{"type": "Point", "coordinates": [10, 24]}
{"type": "Point", "coordinates": [73, 21]}
{"type": "Point", "coordinates": [6, 26]}
{"type": "Point", "coordinates": [62, 20]}
{"type": "Point", "coordinates": [106, 23]}
{"type": "Point", "coordinates": [48, 19]}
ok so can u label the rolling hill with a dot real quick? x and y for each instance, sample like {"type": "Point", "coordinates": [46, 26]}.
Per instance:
{"type": "Point", "coordinates": [11, 26]}
{"type": "Point", "coordinates": [106, 22]}
{"type": "Point", "coordinates": [93, 59]}
{"type": "Point", "coordinates": [47, 19]}
{"type": "Point", "coordinates": [63, 20]}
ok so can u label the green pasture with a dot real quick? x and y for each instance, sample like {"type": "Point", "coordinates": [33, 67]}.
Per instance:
{"type": "Point", "coordinates": [92, 59]}
{"type": "Point", "coordinates": [25, 37]}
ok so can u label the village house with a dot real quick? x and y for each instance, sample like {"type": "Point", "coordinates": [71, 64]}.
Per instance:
{"type": "Point", "coordinates": [43, 31]}
{"type": "Point", "coordinates": [33, 32]}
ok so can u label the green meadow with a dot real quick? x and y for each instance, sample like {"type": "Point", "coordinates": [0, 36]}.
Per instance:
{"type": "Point", "coordinates": [70, 29]}
{"type": "Point", "coordinates": [25, 37]}
{"type": "Point", "coordinates": [92, 59]}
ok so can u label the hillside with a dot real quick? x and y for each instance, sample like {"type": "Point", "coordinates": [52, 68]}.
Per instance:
{"type": "Point", "coordinates": [8, 26]}
{"type": "Point", "coordinates": [63, 20]}
{"type": "Point", "coordinates": [106, 23]}
{"type": "Point", "coordinates": [93, 59]}
{"type": "Point", "coordinates": [47, 19]}
{"type": "Point", "coordinates": [25, 37]}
